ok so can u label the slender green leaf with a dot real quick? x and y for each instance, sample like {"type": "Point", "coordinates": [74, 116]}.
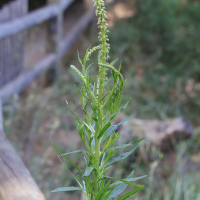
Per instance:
{"type": "Point", "coordinates": [79, 58]}
{"type": "Point", "coordinates": [102, 158]}
{"type": "Point", "coordinates": [108, 81]}
{"type": "Point", "coordinates": [124, 181]}
{"type": "Point", "coordinates": [77, 91]}
{"type": "Point", "coordinates": [89, 66]}
{"type": "Point", "coordinates": [104, 130]}
{"type": "Point", "coordinates": [120, 188]}
{"type": "Point", "coordinates": [66, 189]}
{"type": "Point", "coordinates": [126, 104]}
{"type": "Point", "coordinates": [70, 172]}
{"type": "Point", "coordinates": [78, 151]}
{"type": "Point", "coordinates": [65, 157]}
{"type": "Point", "coordinates": [131, 193]}
{"type": "Point", "coordinates": [102, 192]}
{"type": "Point", "coordinates": [86, 163]}
{"type": "Point", "coordinates": [112, 115]}
{"type": "Point", "coordinates": [121, 157]}
{"type": "Point", "coordinates": [103, 97]}
{"type": "Point", "coordinates": [113, 62]}
{"type": "Point", "coordinates": [105, 170]}
{"type": "Point", "coordinates": [79, 121]}
{"type": "Point", "coordinates": [125, 145]}
{"type": "Point", "coordinates": [129, 179]}
{"type": "Point", "coordinates": [113, 128]}
{"type": "Point", "coordinates": [108, 193]}
{"type": "Point", "coordinates": [85, 57]}
{"type": "Point", "coordinates": [88, 171]}
{"type": "Point", "coordinates": [84, 191]}
{"type": "Point", "coordinates": [89, 127]}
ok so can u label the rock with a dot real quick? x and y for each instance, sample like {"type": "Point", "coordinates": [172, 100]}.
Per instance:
{"type": "Point", "coordinates": [162, 134]}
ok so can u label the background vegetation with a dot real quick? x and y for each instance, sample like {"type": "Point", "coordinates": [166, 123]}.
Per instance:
{"type": "Point", "coordinates": [158, 43]}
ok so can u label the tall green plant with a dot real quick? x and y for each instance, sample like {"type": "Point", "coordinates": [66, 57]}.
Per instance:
{"type": "Point", "coordinates": [101, 104]}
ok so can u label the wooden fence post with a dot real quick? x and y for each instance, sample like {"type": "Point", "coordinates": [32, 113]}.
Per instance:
{"type": "Point", "coordinates": [12, 47]}
{"type": "Point", "coordinates": [59, 34]}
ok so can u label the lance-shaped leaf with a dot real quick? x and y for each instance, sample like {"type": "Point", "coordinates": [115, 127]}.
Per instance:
{"type": "Point", "coordinates": [84, 191]}
{"type": "Point", "coordinates": [79, 121]}
{"type": "Point", "coordinates": [113, 62]}
{"type": "Point", "coordinates": [93, 143]}
{"type": "Point", "coordinates": [112, 115]}
{"type": "Point", "coordinates": [104, 130]}
{"type": "Point", "coordinates": [78, 151]}
{"type": "Point", "coordinates": [120, 188]}
{"type": "Point", "coordinates": [108, 193]}
{"type": "Point", "coordinates": [66, 189]}
{"type": "Point", "coordinates": [103, 97]}
{"type": "Point", "coordinates": [126, 104]}
{"type": "Point", "coordinates": [70, 172]}
{"type": "Point", "coordinates": [86, 55]}
{"type": "Point", "coordinates": [102, 192]}
{"type": "Point", "coordinates": [113, 128]}
{"type": "Point", "coordinates": [120, 157]}
{"type": "Point", "coordinates": [128, 179]}
{"type": "Point", "coordinates": [125, 145]}
{"type": "Point", "coordinates": [88, 170]}
{"type": "Point", "coordinates": [106, 83]}
{"type": "Point", "coordinates": [88, 183]}
{"type": "Point", "coordinates": [65, 157]}
{"type": "Point", "coordinates": [124, 181]}
{"type": "Point", "coordinates": [79, 58]}
{"type": "Point", "coordinates": [131, 193]}
{"type": "Point", "coordinates": [89, 127]}
{"type": "Point", "coordinates": [89, 66]}
{"type": "Point", "coordinates": [104, 170]}
{"type": "Point", "coordinates": [77, 91]}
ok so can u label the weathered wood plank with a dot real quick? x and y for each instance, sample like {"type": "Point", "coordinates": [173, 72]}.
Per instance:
{"type": "Point", "coordinates": [16, 182]}
{"type": "Point", "coordinates": [12, 47]}
{"type": "Point", "coordinates": [25, 78]}
{"type": "Point", "coordinates": [59, 30]}
{"type": "Point", "coordinates": [32, 19]}
{"type": "Point", "coordinates": [27, 21]}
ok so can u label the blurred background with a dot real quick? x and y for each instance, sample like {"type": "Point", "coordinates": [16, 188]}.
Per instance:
{"type": "Point", "coordinates": [157, 42]}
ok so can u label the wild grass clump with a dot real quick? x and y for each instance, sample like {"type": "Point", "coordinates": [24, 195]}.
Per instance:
{"type": "Point", "coordinates": [101, 104]}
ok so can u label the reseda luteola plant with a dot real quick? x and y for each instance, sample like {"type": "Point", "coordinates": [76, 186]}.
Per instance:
{"type": "Point", "coordinates": [95, 129]}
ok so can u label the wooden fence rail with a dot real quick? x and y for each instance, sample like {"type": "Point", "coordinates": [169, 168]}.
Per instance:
{"type": "Point", "coordinates": [62, 42]}
{"type": "Point", "coordinates": [32, 19]}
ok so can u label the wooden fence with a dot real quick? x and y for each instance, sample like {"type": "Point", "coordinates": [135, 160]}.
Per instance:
{"type": "Point", "coordinates": [11, 47]}
{"type": "Point", "coordinates": [17, 70]}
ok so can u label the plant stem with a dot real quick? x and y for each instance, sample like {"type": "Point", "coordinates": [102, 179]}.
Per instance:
{"type": "Point", "coordinates": [97, 150]}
